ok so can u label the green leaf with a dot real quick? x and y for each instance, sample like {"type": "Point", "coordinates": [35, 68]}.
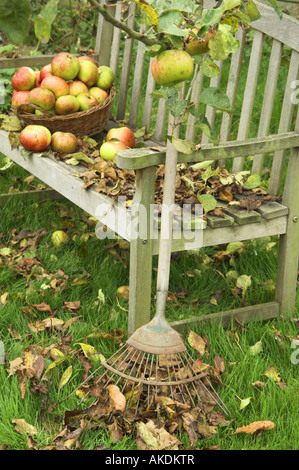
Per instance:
{"type": "Point", "coordinates": [223, 43]}
{"type": "Point", "coordinates": [169, 18]}
{"type": "Point", "coordinates": [209, 68]}
{"type": "Point", "coordinates": [10, 123]}
{"type": "Point", "coordinates": [208, 202]}
{"type": "Point", "coordinates": [7, 164]}
{"type": "Point", "coordinates": [15, 19]}
{"type": "Point", "coordinates": [184, 146]}
{"type": "Point", "coordinates": [176, 106]}
{"type": "Point", "coordinates": [65, 377]}
{"type": "Point", "coordinates": [275, 5]}
{"type": "Point", "coordinates": [233, 247]}
{"type": "Point", "coordinates": [211, 17]}
{"type": "Point", "coordinates": [256, 349]}
{"type": "Point", "coordinates": [252, 11]}
{"type": "Point", "coordinates": [254, 181]}
{"type": "Point", "coordinates": [216, 98]}
{"type": "Point", "coordinates": [245, 402]}
{"type": "Point", "coordinates": [150, 13]}
{"type": "Point", "coordinates": [44, 20]}
{"type": "Point", "coordinates": [243, 282]}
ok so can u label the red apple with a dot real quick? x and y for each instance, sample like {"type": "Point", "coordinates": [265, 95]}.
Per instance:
{"type": "Point", "coordinates": [45, 71]}
{"type": "Point", "coordinates": [123, 134]}
{"type": "Point", "coordinates": [64, 142]}
{"type": "Point", "coordinates": [35, 138]}
{"type": "Point", "coordinates": [106, 77]}
{"type": "Point", "coordinates": [108, 150]}
{"type": "Point", "coordinates": [67, 104]}
{"type": "Point", "coordinates": [37, 79]}
{"type": "Point", "coordinates": [76, 87]}
{"type": "Point", "coordinates": [98, 93]}
{"type": "Point", "coordinates": [56, 84]}
{"type": "Point", "coordinates": [86, 101]}
{"type": "Point", "coordinates": [88, 72]}
{"type": "Point", "coordinates": [171, 67]}
{"type": "Point", "coordinates": [65, 65]}
{"type": "Point", "coordinates": [23, 79]}
{"type": "Point", "coordinates": [42, 97]}
{"type": "Point", "coordinates": [20, 97]}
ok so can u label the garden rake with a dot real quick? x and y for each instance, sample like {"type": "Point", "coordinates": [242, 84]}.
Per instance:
{"type": "Point", "coordinates": [154, 361]}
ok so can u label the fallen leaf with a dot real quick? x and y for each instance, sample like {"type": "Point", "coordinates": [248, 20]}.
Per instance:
{"type": "Point", "coordinates": [23, 427]}
{"type": "Point", "coordinates": [65, 377]}
{"type": "Point", "coordinates": [255, 426]}
{"type": "Point", "coordinates": [117, 399]}
{"type": "Point", "coordinates": [197, 342]}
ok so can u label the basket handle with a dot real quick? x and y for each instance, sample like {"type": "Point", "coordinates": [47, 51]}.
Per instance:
{"type": "Point", "coordinates": [19, 109]}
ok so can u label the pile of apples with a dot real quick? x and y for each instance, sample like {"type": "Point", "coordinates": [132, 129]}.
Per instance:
{"type": "Point", "coordinates": [67, 85]}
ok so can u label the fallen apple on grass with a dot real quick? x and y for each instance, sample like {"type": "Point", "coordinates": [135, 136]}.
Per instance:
{"type": "Point", "coordinates": [67, 104]}
{"type": "Point", "coordinates": [35, 138]}
{"type": "Point", "coordinates": [64, 142]}
{"type": "Point", "coordinates": [108, 150]}
{"type": "Point", "coordinates": [122, 134]}
{"type": "Point", "coordinates": [42, 97]}
{"type": "Point", "coordinates": [172, 67]}
{"type": "Point", "coordinates": [23, 79]}
{"type": "Point", "coordinates": [59, 237]}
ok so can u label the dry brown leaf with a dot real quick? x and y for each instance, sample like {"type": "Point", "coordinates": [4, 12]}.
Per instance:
{"type": "Point", "coordinates": [255, 426]}
{"type": "Point", "coordinates": [197, 342]}
{"type": "Point", "coordinates": [23, 427]}
{"type": "Point", "coordinates": [117, 399]}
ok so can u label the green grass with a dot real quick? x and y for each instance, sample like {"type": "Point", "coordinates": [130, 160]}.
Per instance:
{"type": "Point", "coordinates": [103, 269]}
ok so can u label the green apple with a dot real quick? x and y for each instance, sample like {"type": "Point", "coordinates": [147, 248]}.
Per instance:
{"type": "Point", "coordinates": [106, 77]}
{"type": "Point", "coordinates": [108, 150]}
{"type": "Point", "coordinates": [67, 104]}
{"type": "Point", "coordinates": [171, 67]}
{"type": "Point", "coordinates": [88, 72]}
{"type": "Point", "coordinates": [86, 101]}
{"type": "Point", "coordinates": [42, 97]}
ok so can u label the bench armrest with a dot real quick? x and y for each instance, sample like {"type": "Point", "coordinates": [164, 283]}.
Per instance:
{"type": "Point", "coordinates": [137, 159]}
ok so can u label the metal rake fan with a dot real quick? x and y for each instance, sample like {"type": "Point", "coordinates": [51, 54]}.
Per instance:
{"type": "Point", "coordinates": [155, 360]}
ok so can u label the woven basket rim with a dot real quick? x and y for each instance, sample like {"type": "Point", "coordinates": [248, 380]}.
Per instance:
{"type": "Point", "coordinates": [56, 118]}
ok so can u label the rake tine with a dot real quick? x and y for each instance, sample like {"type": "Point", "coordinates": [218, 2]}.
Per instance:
{"type": "Point", "coordinates": [218, 399]}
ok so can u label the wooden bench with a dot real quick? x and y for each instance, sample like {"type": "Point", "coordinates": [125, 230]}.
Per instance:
{"type": "Point", "coordinates": [281, 145]}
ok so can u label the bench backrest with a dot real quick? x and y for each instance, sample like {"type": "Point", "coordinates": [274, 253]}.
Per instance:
{"type": "Point", "coordinates": [259, 79]}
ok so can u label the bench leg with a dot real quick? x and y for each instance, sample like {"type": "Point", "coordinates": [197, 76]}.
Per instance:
{"type": "Point", "coordinates": [141, 251]}
{"type": "Point", "coordinates": [289, 243]}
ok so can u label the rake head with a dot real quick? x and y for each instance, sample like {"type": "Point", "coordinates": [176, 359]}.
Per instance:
{"type": "Point", "coordinates": [146, 378]}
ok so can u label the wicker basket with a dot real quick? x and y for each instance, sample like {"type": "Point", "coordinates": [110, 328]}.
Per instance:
{"type": "Point", "coordinates": [89, 122]}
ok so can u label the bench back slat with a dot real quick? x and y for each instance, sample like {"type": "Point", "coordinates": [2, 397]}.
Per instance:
{"type": "Point", "coordinates": [232, 89]}
{"type": "Point", "coordinates": [284, 124]}
{"type": "Point", "coordinates": [268, 101]}
{"type": "Point", "coordinates": [249, 94]}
